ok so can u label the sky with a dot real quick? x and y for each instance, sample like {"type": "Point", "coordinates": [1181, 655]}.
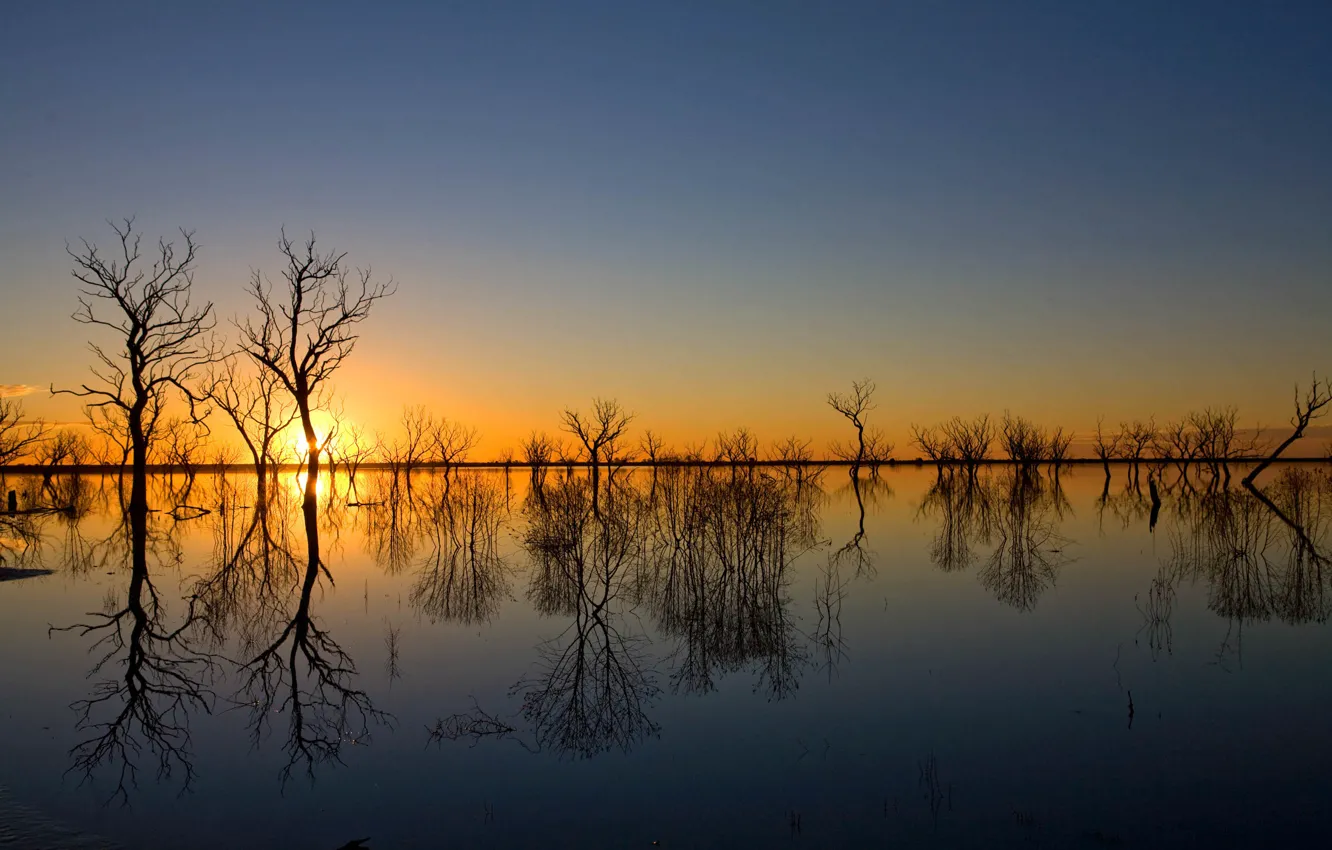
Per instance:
{"type": "Point", "coordinates": [715, 212]}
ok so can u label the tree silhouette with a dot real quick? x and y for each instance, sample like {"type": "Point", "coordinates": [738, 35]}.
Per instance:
{"type": "Point", "coordinates": [257, 409]}
{"type": "Point", "coordinates": [598, 433]}
{"type": "Point", "coordinates": [302, 337]}
{"type": "Point", "coordinates": [161, 334]}
{"type": "Point", "coordinates": [854, 406]}
{"type": "Point", "coordinates": [17, 435]}
{"type": "Point", "coordinates": [1312, 406]}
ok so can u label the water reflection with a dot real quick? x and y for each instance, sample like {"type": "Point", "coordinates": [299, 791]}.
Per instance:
{"type": "Point", "coordinates": [647, 584]}
{"type": "Point", "coordinates": [302, 672]}
{"type": "Point", "coordinates": [463, 579]}
{"type": "Point", "coordinates": [1018, 512]}
{"type": "Point", "coordinates": [1029, 551]}
{"type": "Point", "coordinates": [592, 686]}
{"type": "Point", "coordinates": [153, 676]}
{"type": "Point", "coordinates": [719, 572]}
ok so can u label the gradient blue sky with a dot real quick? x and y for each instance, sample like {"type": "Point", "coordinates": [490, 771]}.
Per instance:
{"type": "Point", "coordinates": [715, 211]}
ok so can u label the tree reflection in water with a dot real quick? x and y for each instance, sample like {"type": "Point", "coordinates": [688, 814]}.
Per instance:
{"type": "Point", "coordinates": [592, 686]}
{"type": "Point", "coordinates": [668, 580]}
{"type": "Point", "coordinates": [1262, 553]}
{"type": "Point", "coordinates": [155, 675]}
{"type": "Point", "coordinates": [1018, 512]}
{"type": "Point", "coordinates": [1030, 550]}
{"type": "Point", "coordinates": [706, 551]}
{"type": "Point", "coordinates": [463, 579]}
{"type": "Point", "coordinates": [303, 672]}
{"type": "Point", "coordinates": [719, 561]}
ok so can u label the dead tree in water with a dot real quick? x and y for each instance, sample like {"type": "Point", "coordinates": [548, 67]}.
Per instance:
{"type": "Point", "coordinates": [303, 337]}
{"type": "Point", "coordinates": [854, 406]}
{"type": "Point", "coordinates": [356, 447]}
{"type": "Point", "coordinates": [256, 409]}
{"type": "Point", "coordinates": [112, 426]}
{"type": "Point", "coordinates": [795, 454]}
{"type": "Point", "coordinates": [538, 452]}
{"type": "Point", "coordinates": [452, 441]}
{"type": "Point", "coordinates": [1057, 448]}
{"type": "Point", "coordinates": [413, 449]}
{"type": "Point", "coordinates": [738, 449]}
{"type": "Point", "coordinates": [651, 446]}
{"type": "Point", "coordinates": [597, 432]}
{"type": "Point", "coordinates": [933, 444]}
{"type": "Point", "coordinates": [162, 332]}
{"type": "Point", "coordinates": [969, 442]}
{"type": "Point", "coordinates": [1307, 409]}
{"type": "Point", "coordinates": [17, 436]}
{"type": "Point", "coordinates": [1182, 442]}
{"type": "Point", "coordinates": [65, 446]}
{"type": "Point", "coordinates": [1107, 448]}
{"type": "Point", "coordinates": [1022, 440]}
{"type": "Point", "coordinates": [1136, 439]}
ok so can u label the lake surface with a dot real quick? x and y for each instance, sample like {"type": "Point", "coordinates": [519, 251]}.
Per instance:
{"type": "Point", "coordinates": [702, 657]}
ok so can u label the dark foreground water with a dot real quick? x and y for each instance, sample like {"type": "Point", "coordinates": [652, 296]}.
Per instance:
{"type": "Point", "coordinates": [696, 657]}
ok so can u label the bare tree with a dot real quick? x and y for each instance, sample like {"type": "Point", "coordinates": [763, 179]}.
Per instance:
{"type": "Point", "coordinates": [163, 335]}
{"type": "Point", "coordinates": [303, 337]}
{"type": "Point", "coordinates": [65, 446]}
{"type": "Point", "coordinates": [18, 436]}
{"type": "Point", "coordinates": [738, 448]}
{"type": "Point", "coordinates": [452, 441]}
{"type": "Point", "coordinates": [413, 448]}
{"type": "Point", "coordinates": [854, 406]}
{"type": "Point", "coordinates": [356, 447]}
{"type": "Point", "coordinates": [256, 408]}
{"type": "Point", "coordinates": [1312, 406]}
{"type": "Point", "coordinates": [607, 423]}
{"type": "Point", "coordinates": [1138, 438]}
{"type": "Point", "coordinates": [1107, 447]}
{"type": "Point", "coordinates": [1023, 440]}
{"type": "Point", "coordinates": [877, 448]}
{"type": "Point", "coordinates": [538, 451]}
{"type": "Point", "coordinates": [1182, 441]}
{"type": "Point", "coordinates": [112, 446]}
{"type": "Point", "coordinates": [224, 456]}
{"type": "Point", "coordinates": [1057, 447]}
{"type": "Point", "coordinates": [1219, 438]}
{"type": "Point", "coordinates": [793, 451]}
{"type": "Point", "coordinates": [933, 443]}
{"type": "Point", "coordinates": [969, 442]}
{"type": "Point", "coordinates": [651, 445]}
{"type": "Point", "coordinates": [182, 445]}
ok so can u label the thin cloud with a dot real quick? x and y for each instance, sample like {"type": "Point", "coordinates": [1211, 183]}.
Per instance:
{"type": "Point", "coordinates": [15, 390]}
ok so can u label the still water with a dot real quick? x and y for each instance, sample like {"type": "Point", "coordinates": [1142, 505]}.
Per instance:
{"type": "Point", "coordinates": [701, 657]}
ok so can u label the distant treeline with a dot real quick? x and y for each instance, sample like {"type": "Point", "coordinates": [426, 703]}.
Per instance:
{"type": "Point", "coordinates": [1211, 436]}
{"type": "Point", "coordinates": [156, 351]}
